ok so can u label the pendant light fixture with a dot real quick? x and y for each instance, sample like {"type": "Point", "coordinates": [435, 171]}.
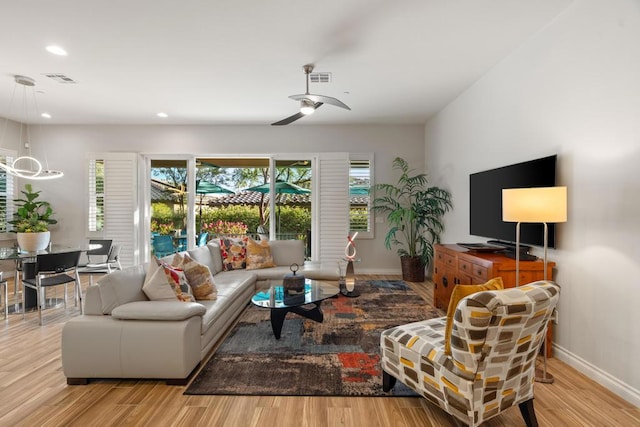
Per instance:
{"type": "Point", "coordinates": [27, 166]}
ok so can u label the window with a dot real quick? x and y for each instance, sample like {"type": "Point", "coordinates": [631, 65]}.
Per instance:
{"type": "Point", "coordinates": [96, 195]}
{"type": "Point", "coordinates": [7, 189]}
{"type": "Point", "coordinates": [360, 173]}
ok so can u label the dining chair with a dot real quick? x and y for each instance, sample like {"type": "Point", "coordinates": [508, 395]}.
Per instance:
{"type": "Point", "coordinates": [105, 266]}
{"type": "Point", "coordinates": [55, 269]}
{"type": "Point", "coordinates": [202, 239]}
{"type": "Point", "coordinates": [163, 245]}
{"type": "Point", "coordinates": [100, 252]}
{"type": "Point", "coordinates": [182, 241]}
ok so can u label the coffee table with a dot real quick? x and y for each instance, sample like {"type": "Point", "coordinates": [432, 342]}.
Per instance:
{"type": "Point", "coordinates": [305, 304]}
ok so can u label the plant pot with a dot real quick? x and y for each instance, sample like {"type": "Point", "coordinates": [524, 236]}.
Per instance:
{"type": "Point", "coordinates": [32, 242]}
{"type": "Point", "coordinates": [412, 269]}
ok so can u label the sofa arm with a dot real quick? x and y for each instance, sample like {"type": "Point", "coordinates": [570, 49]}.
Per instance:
{"type": "Point", "coordinates": [158, 310]}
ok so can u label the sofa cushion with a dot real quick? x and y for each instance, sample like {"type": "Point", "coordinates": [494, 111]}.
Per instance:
{"type": "Point", "coordinates": [287, 252]}
{"type": "Point", "coordinates": [228, 281]}
{"type": "Point", "coordinates": [121, 287]}
{"type": "Point", "coordinates": [234, 252]}
{"type": "Point", "coordinates": [216, 256]}
{"type": "Point", "coordinates": [231, 286]}
{"type": "Point", "coordinates": [157, 310]}
{"type": "Point", "coordinates": [203, 255]}
{"type": "Point", "coordinates": [259, 255]}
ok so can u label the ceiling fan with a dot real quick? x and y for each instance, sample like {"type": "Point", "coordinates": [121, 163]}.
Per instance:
{"type": "Point", "coordinates": [309, 102]}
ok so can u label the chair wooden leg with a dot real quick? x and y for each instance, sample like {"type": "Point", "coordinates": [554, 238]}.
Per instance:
{"type": "Point", "coordinates": [528, 413]}
{"type": "Point", "coordinates": [388, 381]}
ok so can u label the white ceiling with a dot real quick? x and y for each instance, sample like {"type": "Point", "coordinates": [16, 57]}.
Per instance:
{"type": "Point", "coordinates": [236, 62]}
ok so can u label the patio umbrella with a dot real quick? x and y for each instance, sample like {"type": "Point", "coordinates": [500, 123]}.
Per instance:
{"type": "Point", "coordinates": [204, 188]}
{"type": "Point", "coordinates": [281, 187]}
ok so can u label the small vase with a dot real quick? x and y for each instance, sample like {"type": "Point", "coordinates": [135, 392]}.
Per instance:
{"type": "Point", "coordinates": [32, 242]}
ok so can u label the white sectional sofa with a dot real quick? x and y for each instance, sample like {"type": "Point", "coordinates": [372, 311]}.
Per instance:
{"type": "Point", "coordinates": [124, 335]}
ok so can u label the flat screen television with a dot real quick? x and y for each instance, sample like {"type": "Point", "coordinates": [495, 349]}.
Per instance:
{"type": "Point", "coordinates": [485, 200]}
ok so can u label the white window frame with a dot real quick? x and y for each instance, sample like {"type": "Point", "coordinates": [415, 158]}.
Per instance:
{"type": "Point", "coordinates": [370, 158]}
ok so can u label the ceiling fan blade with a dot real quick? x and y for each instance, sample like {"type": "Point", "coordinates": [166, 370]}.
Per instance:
{"type": "Point", "coordinates": [295, 117]}
{"type": "Point", "coordinates": [321, 98]}
{"type": "Point", "coordinates": [288, 120]}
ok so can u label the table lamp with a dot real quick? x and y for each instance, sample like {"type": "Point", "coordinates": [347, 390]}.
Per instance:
{"type": "Point", "coordinates": [535, 205]}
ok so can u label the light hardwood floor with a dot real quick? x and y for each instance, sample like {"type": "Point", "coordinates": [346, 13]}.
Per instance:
{"type": "Point", "coordinates": [33, 392]}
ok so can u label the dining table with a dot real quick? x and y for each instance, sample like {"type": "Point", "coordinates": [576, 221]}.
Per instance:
{"type": "Point", "coordinates": [28, 261]}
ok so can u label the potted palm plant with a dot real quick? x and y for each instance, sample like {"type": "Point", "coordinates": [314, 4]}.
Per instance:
{"type": "Point", "coordinates": [32, 220]}
{"type": "Point", "coordinates": [414, 212]}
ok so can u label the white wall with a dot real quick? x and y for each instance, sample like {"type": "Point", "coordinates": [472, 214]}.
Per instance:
{"type": "Point", "coordinates": [67, 145]}
{"type": "Point", "coordinates": [574, 90]}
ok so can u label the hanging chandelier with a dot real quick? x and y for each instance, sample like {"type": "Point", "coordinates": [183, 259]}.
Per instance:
{"type": "Point", "coordinates": [27, 166]}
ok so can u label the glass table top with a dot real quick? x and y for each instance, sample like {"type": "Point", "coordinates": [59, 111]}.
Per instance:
{"type": "Point", "coordinates": [15, 253]}
{"type": "Point", "coordinates": [276, 297]}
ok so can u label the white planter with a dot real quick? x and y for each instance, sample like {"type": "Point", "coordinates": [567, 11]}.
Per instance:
{"type": "Point", "coordinates": [32, 242]}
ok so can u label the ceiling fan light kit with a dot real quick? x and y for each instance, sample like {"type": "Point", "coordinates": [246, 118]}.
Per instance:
{"type": "Point", "coordinates": [307, 107]}
{"type": "Point", "coordinates": [309, 102]}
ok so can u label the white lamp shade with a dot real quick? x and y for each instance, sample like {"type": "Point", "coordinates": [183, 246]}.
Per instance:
{"type": "Point", "coordinates": [539, 204]}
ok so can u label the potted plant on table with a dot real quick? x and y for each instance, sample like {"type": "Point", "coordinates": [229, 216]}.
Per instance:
{"type": "Point", "coordinates": [414, 212]}
{"type": "Point", "coordinates": [32, 220]}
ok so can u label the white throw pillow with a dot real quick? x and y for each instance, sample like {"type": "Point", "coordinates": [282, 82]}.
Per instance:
{"type": "Point", "coordinates": [156, 286]}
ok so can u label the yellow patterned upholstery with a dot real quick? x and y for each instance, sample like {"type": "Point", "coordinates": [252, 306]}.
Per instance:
{"type": "Point", "coordinates": [495, 338]}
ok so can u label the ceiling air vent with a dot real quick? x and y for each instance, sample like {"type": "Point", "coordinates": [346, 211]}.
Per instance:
{"type": "Point", "coordinates": [61, 78]}
{"type": "Point", "coordinates": [320, 77]}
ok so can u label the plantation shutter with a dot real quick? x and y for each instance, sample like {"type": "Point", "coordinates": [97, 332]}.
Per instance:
{"type": "Point", "coordinates": [333, 206]}
{"type": "Point", "coordinates": [96, 195]}
{"type": "Point", "coordinates": [120, 203]}
{"type": "Point", "coordinates": [7, 190]}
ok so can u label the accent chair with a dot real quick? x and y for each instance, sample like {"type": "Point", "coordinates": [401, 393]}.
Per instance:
{"type": "Point", "coordinates": [495, 338]}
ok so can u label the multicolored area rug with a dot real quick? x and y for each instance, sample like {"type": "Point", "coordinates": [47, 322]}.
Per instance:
{"type": "Point", "coordinates": [339, 357]}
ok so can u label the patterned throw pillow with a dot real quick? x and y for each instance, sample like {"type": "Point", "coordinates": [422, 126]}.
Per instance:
{"type": "Point", "coordinates": [156, 286]}
{"type": "Point", "coordinates": [178, 280]}
{"type": "Point", "coordinates": [459, 292]}
{"type": "Point", "coordinates": [234, 252]}
{"type": "Point", "coordinates": [259, 255]}
{"type": "Point", "coordinates": [200, 279]}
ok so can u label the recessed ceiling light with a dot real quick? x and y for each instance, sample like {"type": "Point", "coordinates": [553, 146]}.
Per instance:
{"type": "Point", "coordinates": [46, 115]}
{"type": "Point", "coordinates": [56, 50]}
{"type": "Point", "coordinates": [163, 115]}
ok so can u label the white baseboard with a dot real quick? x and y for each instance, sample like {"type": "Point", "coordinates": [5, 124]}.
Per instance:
{"type": "Point", "coordinates": [603, 378]}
